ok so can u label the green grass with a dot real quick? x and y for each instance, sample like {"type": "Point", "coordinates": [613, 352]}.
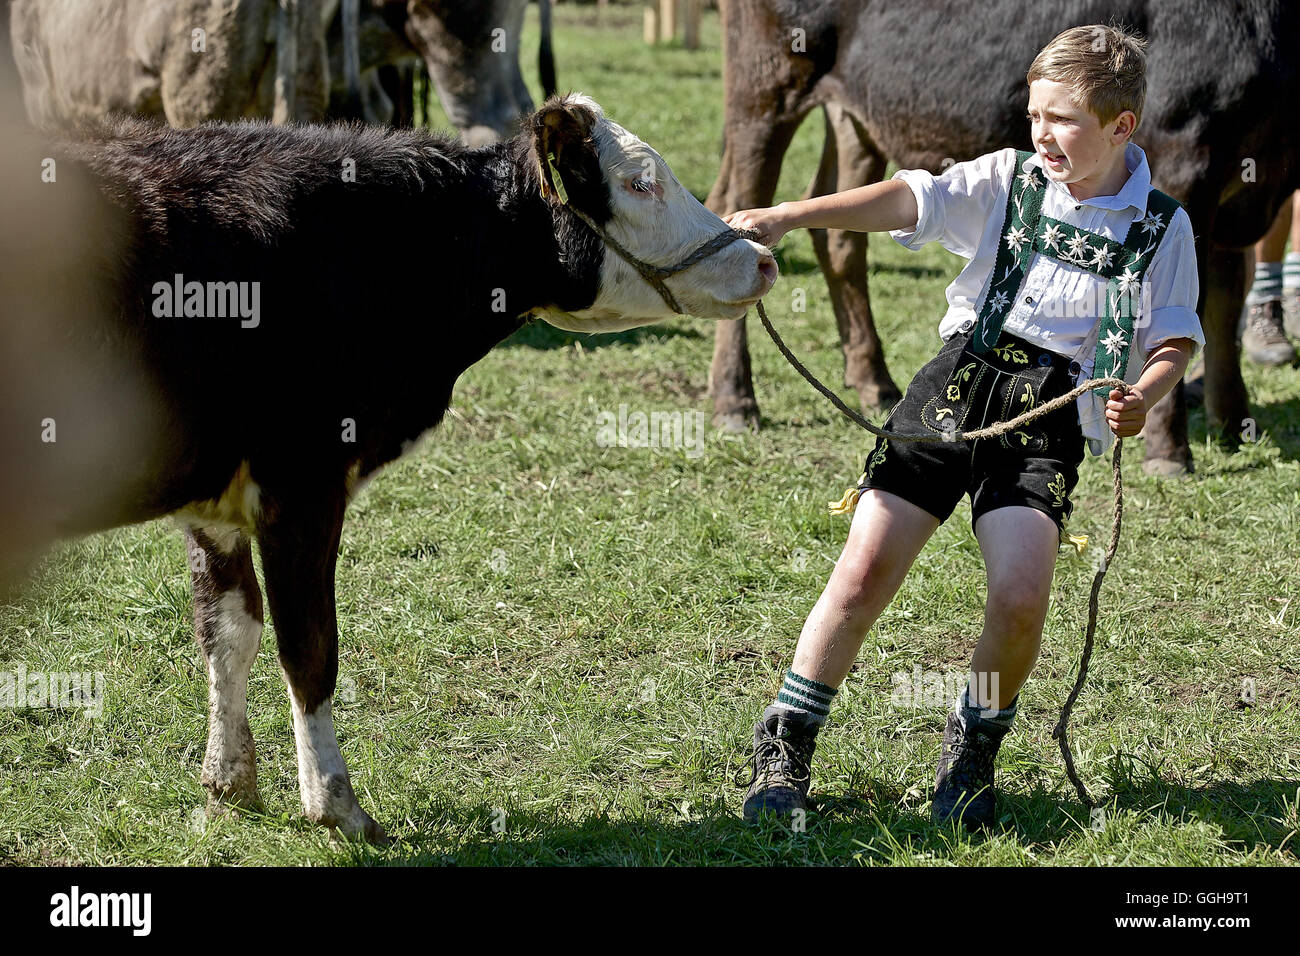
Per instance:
{"type": "Point", "coordinates": [592, 689]}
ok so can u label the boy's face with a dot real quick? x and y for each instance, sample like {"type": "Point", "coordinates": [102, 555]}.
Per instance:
{"type": "Point", "coordinates": [1076, 149]}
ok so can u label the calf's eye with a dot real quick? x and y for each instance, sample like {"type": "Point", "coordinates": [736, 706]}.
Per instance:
{"type": "Point", "coordinates": [647, 187]}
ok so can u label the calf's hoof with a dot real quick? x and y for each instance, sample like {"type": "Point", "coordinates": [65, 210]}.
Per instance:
{"type": "Point", "coordinates": [334, 804]}
{"type": "Point", "coordinates": [360, 826]}
{"type": "Point", "coordinates": [233, 795]}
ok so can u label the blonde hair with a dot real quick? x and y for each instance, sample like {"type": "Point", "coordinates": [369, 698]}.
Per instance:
{"type": "Point", "coordinates": [1103, 66]}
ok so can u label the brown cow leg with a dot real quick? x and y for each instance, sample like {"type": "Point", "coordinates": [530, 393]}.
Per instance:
{"type": "Point", "coordinates": [849, 161]}
{"type": "Point", "coordinates": [228, 628]}
{"type": "Point", "coordinates": [751, 164]}
{"type": "Point", "coordinates": [299, 546]}
{"type": "Point", "coordinates": [1226, 405]}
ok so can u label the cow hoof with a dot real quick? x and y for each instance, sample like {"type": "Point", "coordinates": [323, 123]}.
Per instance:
{"type": "Point", "coordinates": [879, 398]}
{"type": "Point", "coordinates": [221, 802]}
{"type": "Point", "coordinates": [360, 827]}
{"type": "Point", "coordinates": [736, 423]}
{"type": "Point", "coordinates": [1165, 468]}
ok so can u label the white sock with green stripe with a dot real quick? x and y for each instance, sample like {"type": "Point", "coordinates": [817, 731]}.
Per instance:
{"type": "Point", "coordinates": [1291, 271]}
{"type": "Point", "coordinates": [1267, 284]}
{"type": "Point", "coordinates": [804, 696]}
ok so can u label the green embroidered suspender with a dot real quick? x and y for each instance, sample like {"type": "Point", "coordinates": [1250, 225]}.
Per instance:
{"type": "Point", "coordinates": [1123, 265]}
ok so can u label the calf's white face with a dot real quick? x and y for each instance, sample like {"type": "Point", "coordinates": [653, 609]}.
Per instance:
{"type": "Point", "coordinates": [658, 220]}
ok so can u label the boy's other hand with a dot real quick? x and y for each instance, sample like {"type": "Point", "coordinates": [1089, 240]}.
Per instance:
{"type": "Point", "coordinates": [1126, 414]}
{"type": "Point", "coordinates": [768, 223]}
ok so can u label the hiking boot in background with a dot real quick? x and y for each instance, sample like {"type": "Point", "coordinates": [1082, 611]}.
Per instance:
{"type": "Point", "coordinates": [1291, 312]}
{"type": "Point", "coordinates": [1263, 338]}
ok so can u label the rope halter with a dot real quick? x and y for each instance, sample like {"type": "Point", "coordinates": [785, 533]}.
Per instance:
{"type": "Point", "coordinates": [655, 275]}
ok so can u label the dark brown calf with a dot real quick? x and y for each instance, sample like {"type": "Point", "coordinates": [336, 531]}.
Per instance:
{"type": "Point", "coordinates": [127, 397]}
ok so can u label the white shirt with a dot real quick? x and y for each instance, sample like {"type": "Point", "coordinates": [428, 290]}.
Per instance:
{"type": "Point", "coordinates": [1059, 304]}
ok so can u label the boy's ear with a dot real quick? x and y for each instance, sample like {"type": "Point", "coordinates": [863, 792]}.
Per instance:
{"type": "Point", "coordinates": [562, 135]}
{"type": "Point", "coordinates": [1125, 123]}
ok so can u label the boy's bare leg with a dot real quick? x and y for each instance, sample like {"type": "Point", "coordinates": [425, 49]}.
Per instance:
{"type": "Point", "coordinates": [1295, 221]}
{"type": "Point", "coordinates": [1263, 318]}
{"type": "Point", "coordinates": [1019, 545]}
{"type": "Point", "coordinates": [887, 535]}
{"type": "Point", "coordinates": [1272, 247]}
{"type": "Point", "coordinates": [1291, 274]}
{"type": "Point", "coordinates": [885, 538]}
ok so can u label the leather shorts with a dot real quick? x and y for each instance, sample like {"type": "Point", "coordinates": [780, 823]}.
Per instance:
{"type": "Point", "coordinates": [958, 390]}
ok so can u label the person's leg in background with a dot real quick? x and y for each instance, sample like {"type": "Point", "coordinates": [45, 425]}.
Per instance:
{"type": "Point", "coordinates": [1263, 335]}
{"type": "Point", "coordinates": [1291, 274]}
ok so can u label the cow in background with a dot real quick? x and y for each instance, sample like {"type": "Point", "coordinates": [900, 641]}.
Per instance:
{"type": "Point", "coordinates": [185, 61]}
{"type": "Point", "coordinates": [931, 83]}
{"type": "Point", "coordinates": [470, 49]}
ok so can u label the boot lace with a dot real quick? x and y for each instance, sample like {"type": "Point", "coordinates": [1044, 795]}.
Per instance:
{"type": "Point", "coordinates": [972, 763]}
{"type": "Point", "coordinates": [776, 757]}
{"type": "Point", "coordinates": [1266, 322]}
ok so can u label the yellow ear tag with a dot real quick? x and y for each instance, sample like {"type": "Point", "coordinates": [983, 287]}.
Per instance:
{"type": "Point", "coordinates": [556, 180]}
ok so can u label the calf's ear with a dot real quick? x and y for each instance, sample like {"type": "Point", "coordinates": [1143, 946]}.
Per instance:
{"type": "Point", "coordinates": [564, 147]}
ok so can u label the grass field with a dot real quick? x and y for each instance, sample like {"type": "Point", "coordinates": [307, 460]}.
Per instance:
{"type": "Point", "coordinates": [554, 651]}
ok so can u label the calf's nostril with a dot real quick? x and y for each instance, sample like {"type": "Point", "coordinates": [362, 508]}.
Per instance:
{"type": "Point", "coordinates": [767, 267]}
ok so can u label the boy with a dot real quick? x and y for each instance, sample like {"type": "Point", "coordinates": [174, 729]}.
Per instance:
{"type": "Point", "coordinates": [1078, 269]}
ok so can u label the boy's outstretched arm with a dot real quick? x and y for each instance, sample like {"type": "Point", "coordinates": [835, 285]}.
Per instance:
{"type": "Point", "coordinates": [1126, 414]}
{"type": "Point", "coordinates": [879, 207]}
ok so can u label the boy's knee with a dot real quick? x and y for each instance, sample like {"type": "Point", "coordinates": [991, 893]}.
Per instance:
{"type": "Point", "coordinates": [857, 581]}
{"type": "Point", "coordinates": [1016, 609]}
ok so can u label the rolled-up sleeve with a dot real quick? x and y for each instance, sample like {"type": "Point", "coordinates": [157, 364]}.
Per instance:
{"type": "Point", "coordinates": [1173, 289]}
{"type": "Point", "coordinates": [953, 209]}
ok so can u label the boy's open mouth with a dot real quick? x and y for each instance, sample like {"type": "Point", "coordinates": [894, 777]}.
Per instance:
{"type": "Point", "coordinates": [1056, 159]}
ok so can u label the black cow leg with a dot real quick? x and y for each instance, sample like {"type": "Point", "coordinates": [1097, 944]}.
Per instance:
{"type": "Point", "coordinates": [228, 628]}
{"type": "Point", "coordinates": [848, 161]}
{"type": "Point", "coordinates": [299, 546]}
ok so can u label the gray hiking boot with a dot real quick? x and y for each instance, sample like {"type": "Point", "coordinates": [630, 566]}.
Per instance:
{"type": "Point", "coordinates": [1291, 312]}
{"type": "Point", "coordinates": [963, 786]}
{"type": "Point", "coordinates": [1263, 339]}
{"type": "Point", "coordinates": [781, 764]}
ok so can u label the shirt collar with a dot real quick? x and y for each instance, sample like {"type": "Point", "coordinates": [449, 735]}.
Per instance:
{"type": "Point", "coordinates": [1133, 193]}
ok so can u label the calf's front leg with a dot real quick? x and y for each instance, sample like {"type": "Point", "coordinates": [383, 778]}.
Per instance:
{"type": "Point", "coordinates": [299, 548]}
